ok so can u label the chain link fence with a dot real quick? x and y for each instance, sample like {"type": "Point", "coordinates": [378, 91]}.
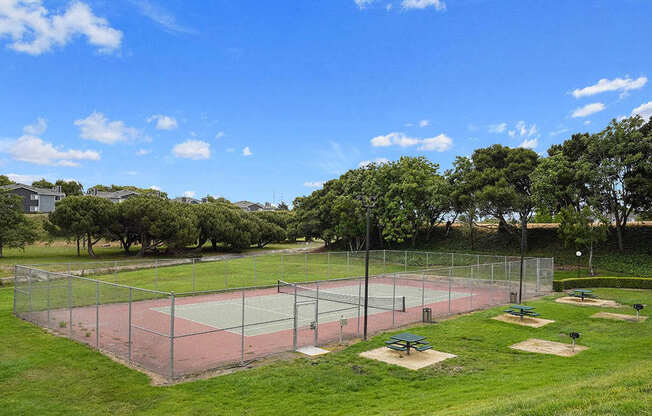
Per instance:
{"type": "Point", "coordinates": [177, 319]}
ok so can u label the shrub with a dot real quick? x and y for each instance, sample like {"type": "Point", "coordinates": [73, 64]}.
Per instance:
{"type": "Point", "coordinates": [617, 282]}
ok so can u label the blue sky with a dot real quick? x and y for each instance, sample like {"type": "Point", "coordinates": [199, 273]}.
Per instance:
{"type": "Point", "coordinates": [266, 100]}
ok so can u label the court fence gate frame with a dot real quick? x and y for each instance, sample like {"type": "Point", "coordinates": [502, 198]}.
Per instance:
{"type": "Point", "coordinates": [180, 334]}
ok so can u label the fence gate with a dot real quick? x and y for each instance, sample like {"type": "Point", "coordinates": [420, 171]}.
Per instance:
{"type": "Point", "coordinates": [305, 323]}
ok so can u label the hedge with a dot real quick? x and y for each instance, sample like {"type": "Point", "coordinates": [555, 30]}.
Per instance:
{"type": "Point", "coordinates": [617, 282]}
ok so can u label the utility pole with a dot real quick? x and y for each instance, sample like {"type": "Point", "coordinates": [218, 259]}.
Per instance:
{"type": "Point", "coordinates": [367, 203]}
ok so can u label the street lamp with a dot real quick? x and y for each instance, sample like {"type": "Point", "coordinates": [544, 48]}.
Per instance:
{"type": "Point", "coordinates": [579, 256]}
{"type": "Point", "coordinates": [367, 203]}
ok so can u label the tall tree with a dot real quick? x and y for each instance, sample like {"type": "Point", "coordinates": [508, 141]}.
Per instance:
{"type": "Point", "coordinates": [621, 157]}
{"type": "Point", "coordinates": [582, 229]}
{"type": "Point", "coordinates": [43, 184]}
{"type": "Point", "coordinates": [70, 188]}
{"type": "Point", "coordinates": [15, 229]}
{"type": "Point", "coordinates": [463, 195]}
{"type": "Point", "coordinates": [4, 180]}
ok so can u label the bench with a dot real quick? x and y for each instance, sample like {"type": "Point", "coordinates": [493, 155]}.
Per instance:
{"type": "Point", "coordinates": [423, 347]}
{"type": "Point", "coordinates": [396, 347]}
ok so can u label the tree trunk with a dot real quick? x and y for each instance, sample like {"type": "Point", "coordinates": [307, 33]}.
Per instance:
{"type": "Point", "coordinates": [471, 233]}
{"type": "Point", "coordinates": [90, 246]}
{"type": "Point", "coordinates": [0, 250]}
{"type": "Point", "coordinates": [214, 244]}
{"type": "Point", "coordinates": [78, 251]}
{"type": "Point", "coordinates": [524, 232]}
{"type": "Point", "coordinates": [591, 258]}
{"type": "Point", "coordinates": [619, 234]}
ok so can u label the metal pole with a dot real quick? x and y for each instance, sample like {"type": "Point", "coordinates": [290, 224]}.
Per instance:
{"type": "Point", "coordinates": [70, 305]}
{"type": "Point", "coordinates": [471, 291]}
{"type": "Point", "coordinates": [129, 337]}
{"type": "Point", "coordinates": [226, 273]}
{"type": "Point", "coordinates": [366, 277]}
{"type": "Point", "coordinates": [295, 323]}
{"type": "Point", "coordinates": [156, 276]}
{"type": "Point", "coordinates": [115, 271]}
{"type": "Point", "coordinates": [394, 300]}
{"type": "Point", "coordinates": [427, 260]}
{"type": "Point", "coordinates": [384, 262]}
{"type": "Point", "coordinates": [423, 289]}
{"type": "Point", "coordinates": [405, 261]}
{"type": "Point", "coordinates": [452, 259]}
{"type": "Point", "coordinates": [492, 283]}
{"type": "Point", "coordinates": [29, 292]}
{"type": "Point", "coordinates": [317, 316]}
{"type": "Point", "coordinates": [450, 275]}
{"type": "Point", "coordinates": [242, 330]}
{"type": "Point", "coordinates": [15, 286]}
{"type": "Point", "coordinates": [255, 271]}
{"type": "Point", "coordinates": [194, 275]}
{"type": "Point", "coordinates": [305, 266]}
{"type": "Point", "coordinates": [97, 315]}
{"type": "Point", "coordinates": [538, 276]}
{"type": "Point", "coordinates": [328, 260]}
{"type": "Point", "coordinates": [348, 259]}
{"type": "Point", "coordinates": [48, 304]}
{"type": "Point", "coordinates": [171, 335]}
{"type": "Point", "coordinates": [359, 300]}
{"type": "Point", "coordinates": [282, 268]}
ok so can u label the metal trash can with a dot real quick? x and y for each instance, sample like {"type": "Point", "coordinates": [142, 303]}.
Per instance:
{"type": "Point", "coordinates": [427, 315]}
{"type": "Point", "coordinates": [513, 297]}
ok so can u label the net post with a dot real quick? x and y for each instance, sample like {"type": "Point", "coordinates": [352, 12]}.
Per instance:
{"type": "Point", "coordinates": [194, 276]}
{"type": "Point", "coordinates": [171, 336]}
{"type": "Point", "coordinates": [294, 324]}
{"type": "Point", "coordinates": [394, 300]}
{"type": "Point", "coordinates": [129, 329]}
{"type": "Point", "coordinates": [97, 314]}
{"type": "Point", "coordinates": [317, 316]}
{"type": "Point", "coordinates": [242, 329]}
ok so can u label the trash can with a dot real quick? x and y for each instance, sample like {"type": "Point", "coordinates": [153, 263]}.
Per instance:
{"type": "Point", "coordinates": [513, 297]}
{"type": "Point", "coordinates": [427, 315]}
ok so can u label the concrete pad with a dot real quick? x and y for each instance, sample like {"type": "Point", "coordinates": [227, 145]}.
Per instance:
{"type": "Point", "coordinates": [415, 361]}
{"type": "Point", "coordinates": [548, 347]}
{"type": "Point", "coordinates": [604, 303]}
{"type": "Point", "coordinates": [526, 321]}
{"type": "Point", "coordinates": [312, 351]}
{"type": "Point", "coordinates": [618, 316]}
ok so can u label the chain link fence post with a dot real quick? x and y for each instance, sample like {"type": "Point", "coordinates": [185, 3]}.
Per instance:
{"type": "Point", "coordinates": [194, 276]}
{"type": "Point", "coordinates": [255, 270]}
{"type": "Point", "coordinates": [294, 322]}
{"type": "Point", "coordinates": [48, 299]}
{"type": "Point", "coordinates": [452, 259]}
{"type": "Point", "coordinates": [423, 289]}
{"type": "Point", "coordinates": [427, 260]}
{"type": "Point", "coordinates": [317, 316]}
{"type": "Point", "coordinates": [70, 305]}
{"type": "Point", "coordinates": [359, 300]}
{"type": "Point", "coordinates": [405, 261]}
{"type": "Point", "coordinates": [471, 291]}
{"type": "Point", "coordinates": [348, 261]}
{"type": "Point", "coordinates": [450, 288]}
{"type": "Point", "coordinates": [282, 268]}
{"type": "Point", "coordinates": [384, 262]}
{"type": "Point", "coordinates": [15, 287]}
{"type": "Point", "coordinates": [226, 273]}
{"type": "Point", "coordinates": [171, 336]}
{"type": "Point", "coordinates": [538, 275]}
{"type": "Point", "coordinates": [242, 329]}
{"type": "Point", "coordinates": [305, 267]}
{"type": "Point", "coordinates": [129, 328]}
{"type": "Point", "coordinates": [394, 301]}
{"type": "Point", "coordinates": [328, 260]}
{"type": "Point", "coordinates": [156, 275]}
{"type": "Point", "coordinates": [97, 315]}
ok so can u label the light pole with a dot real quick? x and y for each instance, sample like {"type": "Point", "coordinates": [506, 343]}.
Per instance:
{"type": "Point", "coordinates": [367, 203]}
{"type": "Point", "coordinates": [579, 256]}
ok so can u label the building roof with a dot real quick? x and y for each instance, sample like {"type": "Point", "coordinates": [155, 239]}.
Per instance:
{"type": "Point", "coordinates": [247, 204]}
{"type": "Point", "coordinates": [114, 195]}
{"type": "Point", "coordinates": [187, 200]}
{"type": "Point", "coordinates": [40, 191]}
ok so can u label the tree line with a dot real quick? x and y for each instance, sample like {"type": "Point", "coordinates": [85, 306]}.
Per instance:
{"type": "Point", "coordinates": [586, 183]}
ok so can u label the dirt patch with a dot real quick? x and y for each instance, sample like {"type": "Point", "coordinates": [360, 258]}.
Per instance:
{"type": "Point", "coordinates": [415, 361]}
{"type": "Point", "coordinates": [525, 321]}
{"type": "Point", "coordinates": [541, 346]}
{"type": "Point", "coordinates": [603, 303]}
{"type": "Point", "coordinates": [619, 317]}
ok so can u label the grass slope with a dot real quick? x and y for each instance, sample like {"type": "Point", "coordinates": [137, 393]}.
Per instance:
{"type": "Point", "coordinates": [45, 375]}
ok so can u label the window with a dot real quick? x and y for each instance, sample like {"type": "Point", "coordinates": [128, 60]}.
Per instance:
{"type": "Point", "coordinates": [33, 208]}
{"type": "Point", "coordinates": [34, 197]}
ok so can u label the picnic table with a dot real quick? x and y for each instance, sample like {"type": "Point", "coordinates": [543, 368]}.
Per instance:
{"type": "Point", "coordinates": [521, 311]}
{"type": "Point", "coordinates": [406, 341]}
{"type": "Point", "coordinates": [582, 293]}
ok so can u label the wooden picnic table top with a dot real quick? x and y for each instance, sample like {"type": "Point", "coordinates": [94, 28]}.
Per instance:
{"type": "Point", "coordinates": [407, 337]}
{"type": "Point", "coordinates": [522, 307]}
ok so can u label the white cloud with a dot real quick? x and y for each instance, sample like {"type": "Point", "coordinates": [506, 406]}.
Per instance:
{"type": "Point", "coordinates": [377, 161]}
{"type": "Point", "coordinates": [363, 3]}
{"type": "Point", "coordinates": [439, 143]}
{"type": "Point", "coordinates": [37, 128]}
{"type": "Point", "coordinates": [524, 130]}
{"type": "Point", "coordinates": [143, 152]}
{"type": "Point", "coordinates": [24, 179]}
{"type": "Point", "coordinates": [617, 84]}
{"type": "Point", "coordinates": [189, 194]}
{"type": "Point", "coordinates": [422, 4]}
{"type": "Point", "coordinates": [246, 151]}
{"type": "Point", "coordinates": [529, 143]}
{"type": "Point", "coordinates": [587, 122]}
{"type": "Point", "coordinates": [511, 133]}
{"type": "Point", "coordinates": [587, 110]}
{"type": "Point", "coordinates": [497, 128]}
{"type": "Point", "coordinates": [315, 184]}
{"type": "Point", "coordinates": [162, 17]}
{"type": "Point", "coordinates": [32, 149]}
{"type": "Point", "coordinates": [643, 110]}
{"type": "Point", "coordinates": [219, 134]}
{"type": "Point", "coordinates": [424, 123]}
{"type": "Point", "coordinates": [163, 122]}
{"type": "Point", "coordinates": [192, 149]}
{"type": "Point", "coordinates": [32, 29]}
{"type": "Point", "coordinates": [97, 127]}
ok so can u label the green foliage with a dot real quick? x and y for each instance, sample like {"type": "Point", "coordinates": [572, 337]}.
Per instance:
{"type": "Point", "coordinates": [70, 188]}
{"type": "Point", "coordinates": [15, 229]}
{"type": "Point", "coordinates": [141, 191]}
{"type": "Point", "coordinates": [615, 282]}
{"type": "Point", "coordinates": [581, 228]}
{"type": "Point", "coordinates": [43, 184]}
{"type": "Point", "coordinates": [4, 180]}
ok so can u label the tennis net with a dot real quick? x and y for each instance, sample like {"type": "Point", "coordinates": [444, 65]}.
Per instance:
{"type": "Point", "coordinates": [378, 302]}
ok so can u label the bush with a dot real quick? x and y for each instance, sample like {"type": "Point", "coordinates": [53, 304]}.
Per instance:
{"type": "Point", "coordinates": [617, 282]}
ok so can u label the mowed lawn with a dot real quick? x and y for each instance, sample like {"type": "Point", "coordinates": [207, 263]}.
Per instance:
{"type": "Point", "coordinates": [47, 375]}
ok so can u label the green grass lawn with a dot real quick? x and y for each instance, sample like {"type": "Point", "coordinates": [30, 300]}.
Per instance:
{"type": "Point", "coordinates": [47, 375]}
